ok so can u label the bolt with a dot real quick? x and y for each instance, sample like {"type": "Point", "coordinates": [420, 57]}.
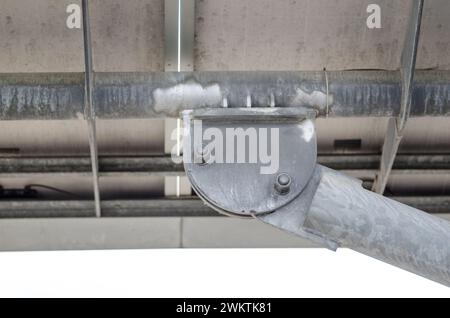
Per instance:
{"type": "Point", "coordinates": [283, 183]}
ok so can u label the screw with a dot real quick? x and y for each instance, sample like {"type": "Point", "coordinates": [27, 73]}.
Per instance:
{"type": "Point", "coordinates": [283, 183]}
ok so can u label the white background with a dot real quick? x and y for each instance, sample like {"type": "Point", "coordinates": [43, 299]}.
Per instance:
{"type": "Point", "coordinates": [207, 273]}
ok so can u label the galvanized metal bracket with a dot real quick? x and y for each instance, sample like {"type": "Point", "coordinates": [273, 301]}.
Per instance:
{"type": "Point", "coordinates": [280, 198]}
{"type": "Point", "coordinates": [248, 187]}
{"type": "Point", "coordinates": [292, 217]}
{"type": "Point", "coordinates": [307, 199]}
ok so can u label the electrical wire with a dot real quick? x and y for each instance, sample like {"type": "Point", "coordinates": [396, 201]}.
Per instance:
{"type": "Point", "coordinates": [29, 186]}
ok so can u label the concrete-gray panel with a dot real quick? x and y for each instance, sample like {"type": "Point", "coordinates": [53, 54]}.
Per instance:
{"type": "Point", "coordinates": [69, 137]}
{"type": "Point", "coordinates": [143, 233]}
{"type": "Point", "coordinates": [126, 36]}
{"type": "Point", "coordinates": [434, 44]}
{"type": "Point", "coordinates": [35, 37]}
{"type": "Point", "coordinates": [297, 35]}
{"type": "Point", "coordinates": [224, 232]}
{"type": "Point", "coordinates": [311, 35]}
{"type": "Point", "coordinates": [424, 134]}
{"type": "Point", "coordinates": [89, 233]}
{"type": "Point", "coordinates": [230, 35]}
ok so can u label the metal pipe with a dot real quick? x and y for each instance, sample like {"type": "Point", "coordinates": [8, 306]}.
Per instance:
{"type": "Point", "coordinates": [345, 213]}
{"type": "Point", "coordinates": [164, 165]}
{"type": "Point", "coordinates": [170, 207]}
{"type": "Point", "coordinates": [138, 95]}
{"type": "Point", "coordinates": [110, 208]}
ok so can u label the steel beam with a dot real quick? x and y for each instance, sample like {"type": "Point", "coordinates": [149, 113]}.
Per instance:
{"type": "Point", "coordinates": [143, 95]}
{"type": "Point", "coordinates": [396, 125]}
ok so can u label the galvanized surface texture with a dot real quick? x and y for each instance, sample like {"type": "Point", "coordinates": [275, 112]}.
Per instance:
{"type": "Point", "coordinates": [137, 95]}
{"type": "Point", "coordinates": [379, 227]}
{"type": "Point", "coordinates": [17, 165]}
{"type": "Point", "coordinates": [238, 181]}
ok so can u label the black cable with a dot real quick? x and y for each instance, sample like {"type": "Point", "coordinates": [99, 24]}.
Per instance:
{"type": "Point", "coordinates": [29, 186]}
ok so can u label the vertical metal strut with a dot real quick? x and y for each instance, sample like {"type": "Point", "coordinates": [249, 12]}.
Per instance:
{"type": "Point", "coordinates": [396, 126]}
{"type": "Point", "coordinates": [89, 110]}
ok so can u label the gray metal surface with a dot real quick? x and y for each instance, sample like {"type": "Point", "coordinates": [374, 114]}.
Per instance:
{"type": "Point", "coordinates": [157, 165]}
{"type": "Point", "coordinates": [389, 151]}
{"type": "Point", "coordinates": [335, 211]}
{"type": "Point", "coordinates": [164, 165]}
{"type": "Point", "coordinates": [134, 95]}
{"type": "Point", "coordinates": [374, 225]}
{"type": "Point", "coordinates": [89, 107]}
{"type": "Point", "coordinates": [160, 207]}
{"type": "Point", "coordinates": [137, 177]}
{"type": "Point", "coordinates": [329, 208]}
{"type": "Point", "coordinates": [167, 207]}
{"type": "Point", "coordinates": [397, 125]}
{"type": "Point", "coordinates": [225, 184]}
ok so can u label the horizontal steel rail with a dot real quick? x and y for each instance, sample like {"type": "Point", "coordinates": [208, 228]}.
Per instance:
{"type": "Point", "coordinates": [176, 207]}
{"type": "Point", "coordinates": [164, 165]}
{"type": "Point", "coordinates": [44, 96]}
{"type": "Point", "coordinates": [110, 208]}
